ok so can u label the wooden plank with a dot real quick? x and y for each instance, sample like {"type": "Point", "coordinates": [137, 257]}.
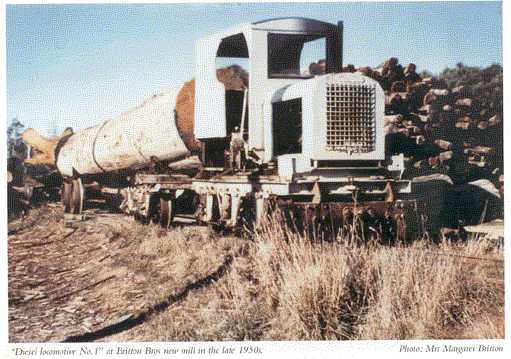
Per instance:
{"type": "Point", "coordinates": [493, 229]}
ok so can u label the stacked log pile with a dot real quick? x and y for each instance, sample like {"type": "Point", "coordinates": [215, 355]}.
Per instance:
{"type": "Point", "coordinates": [35, 170]}
{"type": "Point", "coordinates": [449, 125]}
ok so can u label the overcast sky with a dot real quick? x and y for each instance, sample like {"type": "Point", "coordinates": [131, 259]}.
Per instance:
{"type": "Point", "coordinates": [76, 65]}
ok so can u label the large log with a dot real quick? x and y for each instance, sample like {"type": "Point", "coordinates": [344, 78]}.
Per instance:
{"type": "Point", "coordinates": [41, 159]}
{"type": "Point", "coordinates": [43, 149]}
{"type": "Point", "coordinates": [159, 130]}
{"type": "Point", "coordinates": [45, 146]}
{"type": "Point", "coordinates": [146, 134]}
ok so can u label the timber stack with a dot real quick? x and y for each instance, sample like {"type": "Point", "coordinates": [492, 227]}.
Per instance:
{"type": "Point", "coordinates": [450, 125]}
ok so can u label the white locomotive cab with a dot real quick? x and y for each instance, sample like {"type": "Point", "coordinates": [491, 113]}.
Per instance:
{"type": "Point", "coordinates": [277, 53]}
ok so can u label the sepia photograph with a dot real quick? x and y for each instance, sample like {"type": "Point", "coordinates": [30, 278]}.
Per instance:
{"type": "Point", "coordinates": [252, 171]}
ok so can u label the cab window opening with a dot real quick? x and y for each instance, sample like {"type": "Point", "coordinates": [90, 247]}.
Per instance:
{"type": "Point", "coordinates": [295, 55]}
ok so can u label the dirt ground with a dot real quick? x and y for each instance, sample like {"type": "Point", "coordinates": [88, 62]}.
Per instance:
{"type": "Point", "coordinates": [71, 277]}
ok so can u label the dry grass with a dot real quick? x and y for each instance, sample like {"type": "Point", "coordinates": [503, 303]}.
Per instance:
{"type": "Point", "coordinates": [164, 262]}
{"type": "Point", "coordinates": [42, 216]}
{"type": "Point", "coordinates": [286, 286]}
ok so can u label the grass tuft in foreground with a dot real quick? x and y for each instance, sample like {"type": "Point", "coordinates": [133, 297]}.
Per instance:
{"type": "Point", "coordinates": [286, 286]}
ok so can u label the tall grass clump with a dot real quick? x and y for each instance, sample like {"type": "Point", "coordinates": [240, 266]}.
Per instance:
{"type": "Point", "coordinates": [315, 290]}
{"type": "Point", "coordinates": [288, 285]}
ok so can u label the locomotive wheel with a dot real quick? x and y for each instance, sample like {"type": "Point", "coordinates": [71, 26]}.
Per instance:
{"type": "Point", "coordinates": [167, 212]}
{"type": "Point", "coordinates": [76, 197]}
{"type": "Point", "coordinates": [66, 196]}
{"type": "Point", "coordinates": [28, 191]}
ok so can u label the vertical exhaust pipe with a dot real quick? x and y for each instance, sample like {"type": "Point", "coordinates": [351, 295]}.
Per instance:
{"type": "Point", "coordinates": [340, 26]}
{"type": "Point", "coordinates": [334, 50]}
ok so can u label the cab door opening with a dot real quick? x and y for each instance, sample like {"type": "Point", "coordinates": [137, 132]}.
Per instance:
{"type": "Point", "coordinates": [287, 127]}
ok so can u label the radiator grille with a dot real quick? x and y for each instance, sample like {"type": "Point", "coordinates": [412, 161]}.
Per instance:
{"type": "Point", "coordinates": [350, 117]}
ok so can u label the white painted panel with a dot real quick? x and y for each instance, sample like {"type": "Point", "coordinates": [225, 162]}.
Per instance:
{"type": "Point", "coordinates": [210, 119]}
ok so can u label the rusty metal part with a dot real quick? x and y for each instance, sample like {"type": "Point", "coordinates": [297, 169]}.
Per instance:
{"type": "Point", "coordinates": [167, 211]}
{"type": "Point", "coordinates": [76, 198]}
{"type": "Point", "coordinates": [362, 221]}
{"type": "Point", "coordinates": [163, 181]}
{"type": "Point", "coordinates": [66, 196]}
{"type": "Point", "coordinates": [73, 195]}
